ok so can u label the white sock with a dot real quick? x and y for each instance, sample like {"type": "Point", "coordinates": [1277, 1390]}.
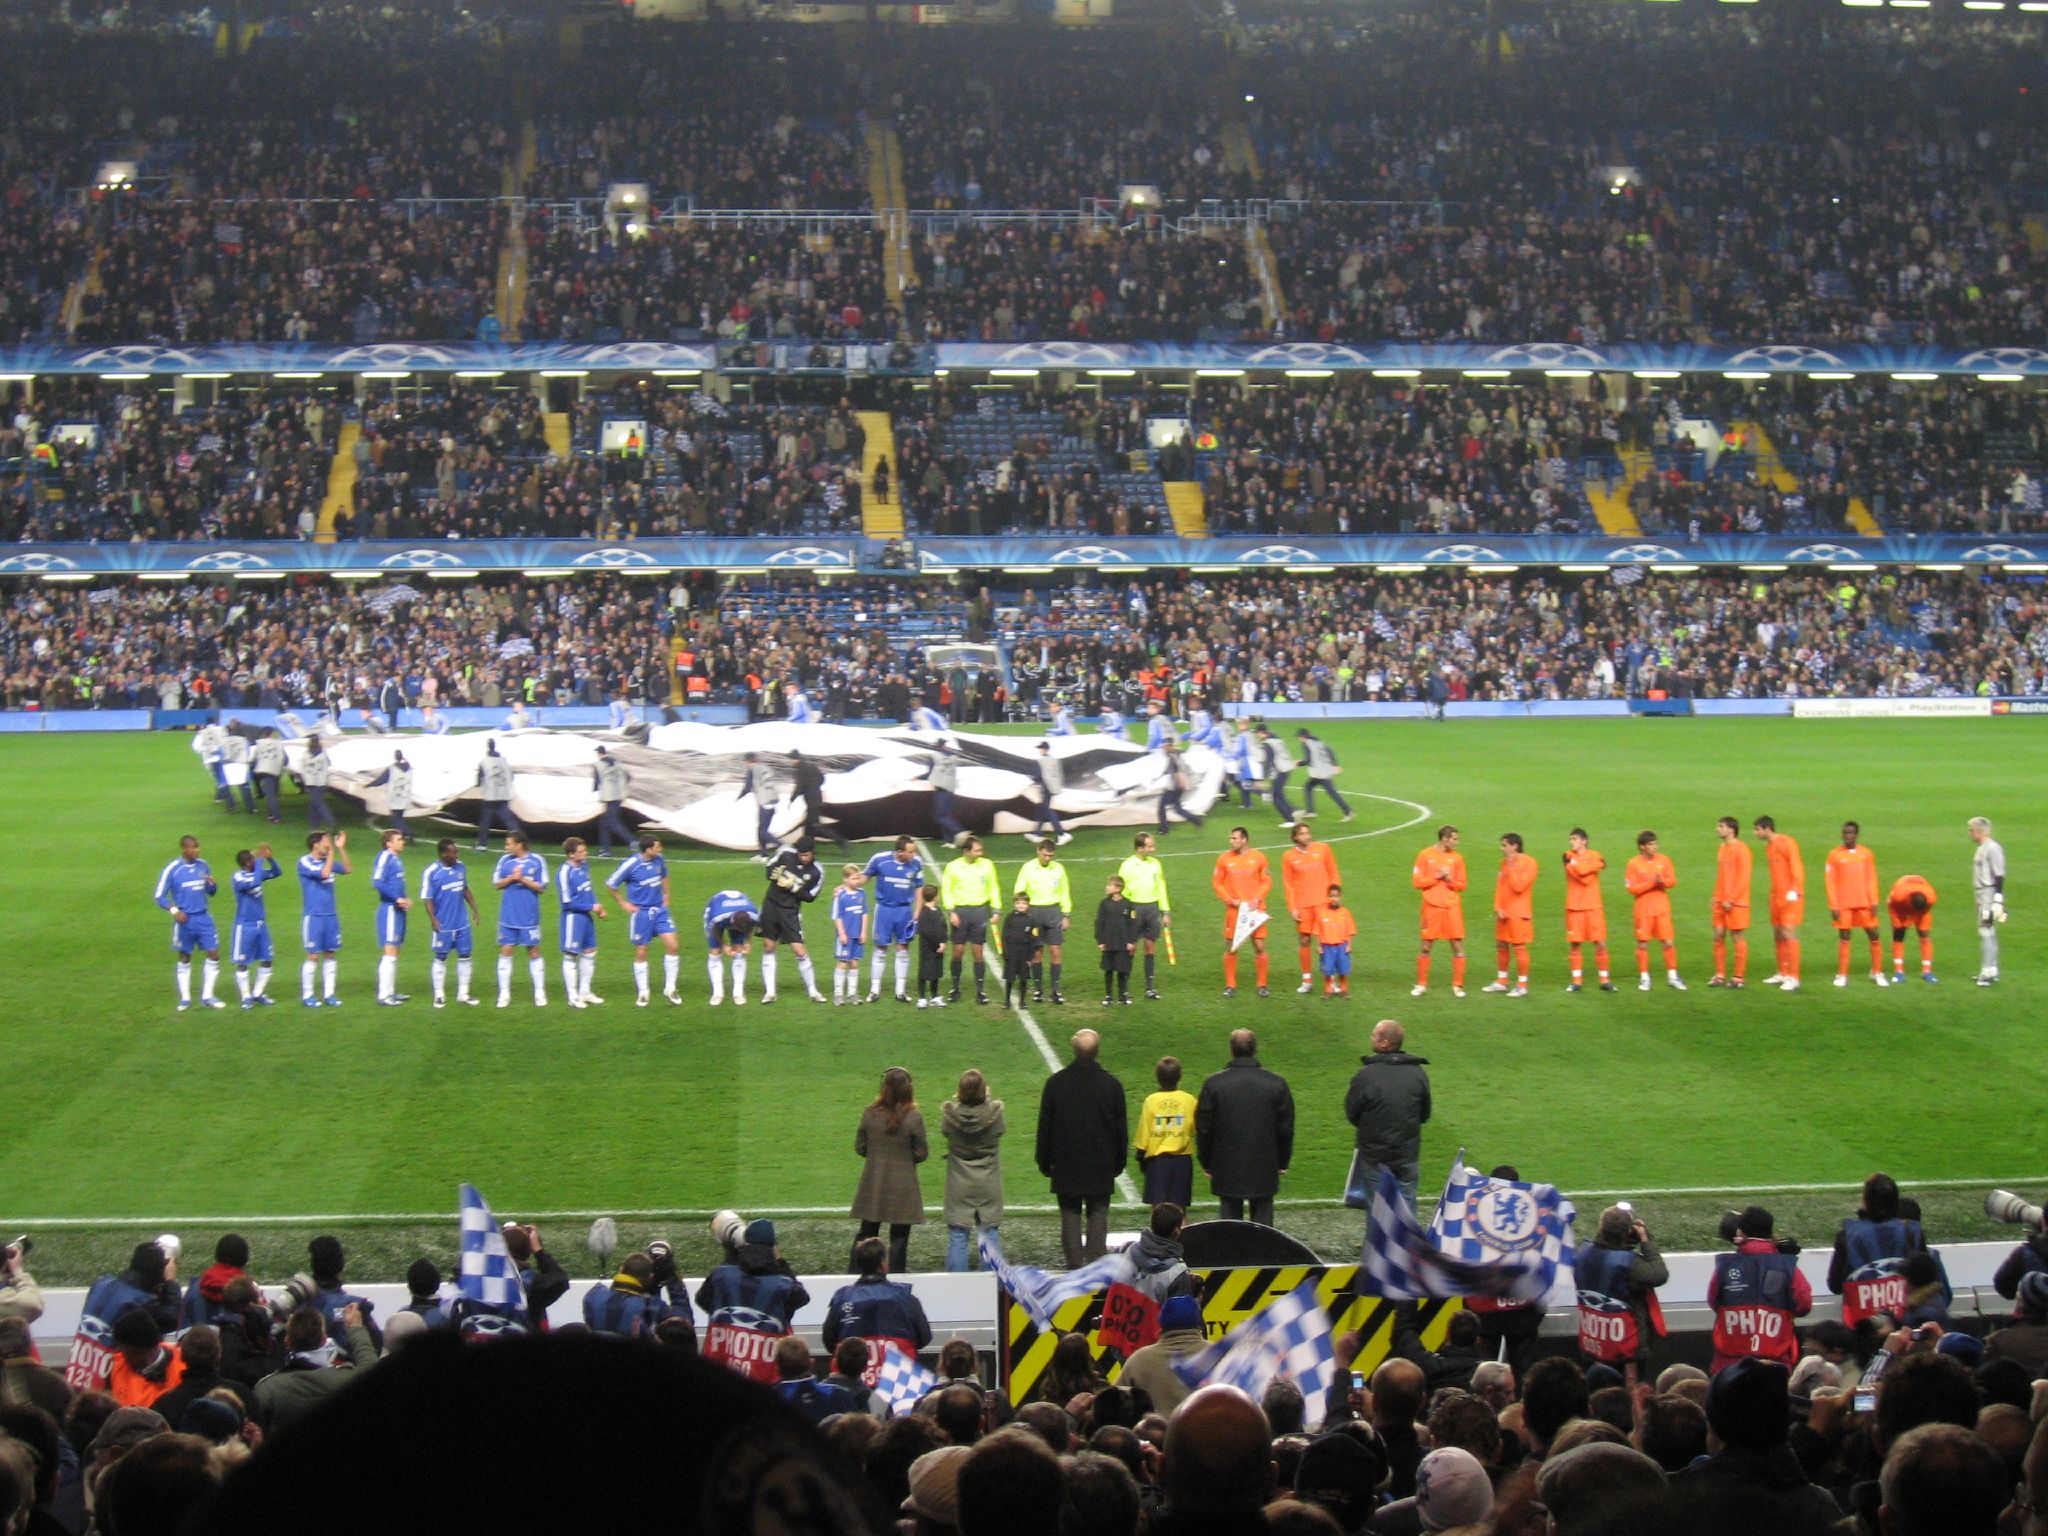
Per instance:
{"type": "Point", "coordinates": [569, 987]}
{"type": "Point", "coordinates": [184, 981]}
{"type": "Point", "coordinates": [805, 969]}
{"type": "Point", "coordinates": [440, 969]}
{"type": "Point", "coordinates": [874, 971]}
{"type": "Point", "coordinates": [1670, 975]}
{"type": "Point", "coordinates": [537, 968]}
{"type": "Point", "coordinates": [640, 977]}
{"type": "Point", "coordinates": [209, 974]}
{"type": "Point", "coordinates": [839, 983]}
{"type": "Point", "coordinates": [262, 981]}
{"type": "Point", "coordinates": [715, 969]}
{"type": "Point", "coordinates": [308, 974]}
{"type": "Point", "coordinates": [671, 967]}
{"type": "Point", "coordinates": [463, 966]}
{"type": "Point", "coordinates": [329, 968]}
{"type": "Point", "coordinates": [739, 978]}
{"type": "Point", "coordinates": [902, 971]}
{"type": "Point", "coordinates": [504, 978]}
{"type": "Point", "coordinates": [387, 975]}
{"type": "Point", "coordinates": [768, 964]}
{"type": "Point", "coordinates": [586, 968]}
{"type": "Point", "coordinates": [242, 982]}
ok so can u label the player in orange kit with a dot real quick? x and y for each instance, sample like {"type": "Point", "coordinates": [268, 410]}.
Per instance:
{"type": "Point", "coordinates": [1788, 900]}
{"type": "Point", "coordinates": [1334, 932]}
{"type": "Point", "coordinates": [1852, 902]}
{"type": "Point", "coordinates": [1514, 916]}
{"type": "Point", "coordinates": [1733, 867]}
{"type": "Point", "coordinates": [1585, 913]}
{"type": "Point", "coordinates": [1307, 870]}
{"type": "Point", "coordinates": [1912, 906]}
{"type": "Point", "coordinates": [1242, 878]}
{"type": "Point", "coordinates": [1440, 876]}
{"type": "Point", "coordinates": [1650, 878]}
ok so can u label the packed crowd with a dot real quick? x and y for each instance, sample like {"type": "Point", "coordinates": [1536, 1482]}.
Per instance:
{"type": "Point", "coordinates": [1468, 635]}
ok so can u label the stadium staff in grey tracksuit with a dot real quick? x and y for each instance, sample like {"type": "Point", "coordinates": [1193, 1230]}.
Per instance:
{"type": "Point", "coordinates": [1987, 881]}
{"type": "Point", "coordinates": [316, 769]}
{"type": "Point", "coordinates": [1322, 770]}
{"type": "Point", "coordinates": [1278, 765]}
{"type": "Point", "coordinates": [494, 775]}
{"type": "Point", "coordinates": [944, 775]}
{"type": "Point", "coordinates": [234, 752]}
{"type": "Point", "coordinates": [397, 782]}
{"type": "Point", "coordinates": [266, 767]}
{"type": "Point", "coordinates": [1052, 780]}
{"type": "Point", "coordinates": [609, 779]}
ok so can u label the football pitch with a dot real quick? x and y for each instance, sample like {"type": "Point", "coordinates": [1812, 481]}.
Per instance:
{"type": "Point", "coordinates": [126, 1111]}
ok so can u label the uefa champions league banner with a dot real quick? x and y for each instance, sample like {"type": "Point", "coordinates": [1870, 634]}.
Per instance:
{"type": "Point", "coordinates": [376, 357]}
{"type": "Point", "coordinates": [1019, 555]}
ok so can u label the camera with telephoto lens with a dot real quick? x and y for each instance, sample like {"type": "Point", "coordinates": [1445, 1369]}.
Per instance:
{"type": "Point", "coordinates": [728, 1227]}
{"type": "Point", "coordinates": [299, 1291]}
{"type": "Point", "coordinates": [664, 1255]}
{"type": "Point", "coordinates": [2004, 1205]}
{"type": "Point", "coordinates": [19, 1248]}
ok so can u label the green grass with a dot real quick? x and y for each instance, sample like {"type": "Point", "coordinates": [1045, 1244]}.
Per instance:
{"type": "Point", "coordinates": [126, 1111]}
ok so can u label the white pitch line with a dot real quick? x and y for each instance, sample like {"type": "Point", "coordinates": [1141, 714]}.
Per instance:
{"type": "Point", "coordinates": [1045, 1050]}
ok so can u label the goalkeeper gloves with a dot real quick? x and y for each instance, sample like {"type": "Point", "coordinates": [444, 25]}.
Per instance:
{"type": "Point", "coordinates": [1998, 909]}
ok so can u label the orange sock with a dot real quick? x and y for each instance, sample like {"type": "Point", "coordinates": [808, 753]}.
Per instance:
{"type": "Point", "coordinates": [1877, 956]}
{"type": "Point", "coordinates": [1343, 986]}
{"type": "Point", "coordinates": [1643, 959]}
{"type": "Point", "coordinates": [1792, 958]}
{"type": "Point", "coordinates": [1778, 954]}
{"type": "Point", "coordinates": [1422, 970]}
{"type": "Point", "coordinates": [1670, 957]}
{"type": "Point", "coordinates": [1500, 962]}
{"type": "Point", "coordinates": [1841, 957]}
{"type": "Point", "coordinates": [1522, 964]}
{"type": "Point", "coordinates": [1578, 968]}
{"type": "Point", "coordinates": [1741, 958]}
{"type": "Point", "coordinates": [1229, 968]}
{"type": "Point", "coordinates": [1259, 967]}
{"type": "Point", "coordinates": [1721, 958]}
{"type": "Point", "coordinates": [1600, 959]}
{"type": "Point", "coordinates": [1926, 956]}
{"type": "Point", "coordinates": [1899, 954]}
{"type": "Point", "coordinates": [1457, 970]}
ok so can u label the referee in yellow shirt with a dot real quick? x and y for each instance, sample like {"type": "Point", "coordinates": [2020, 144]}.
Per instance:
{"type": "Point", "coordinates": [1145, 888]}
{"type": "Point", "coordinates": [970, 889]}
{"type": "Point", "coordinates": [1166, 1135]}
{"type": "Point", "coordinates": [1043, 884]}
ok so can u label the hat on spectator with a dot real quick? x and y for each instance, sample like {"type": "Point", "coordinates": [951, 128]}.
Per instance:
{"type": "Point", "coordinates": [1593, 1477]}
{"type": "Point", "coordinates": [761, 1231]}
{"type": "Point", "coordinates": [423, 1278]}
{"type": "Point", "coordinates": [326, 1254]}
{"type": "Point", "coordinates": [1966, 1347]}
{"type": "Point", "coordinates": [148, 1261]}
{"type": "Point", "coordinates": [1180, 1312]}
{"type": "Point", "coordinates": [1451, 1488]}
{"type": "Point", "coordinates": [2033, 1293]}
{"type": "Point", "coordinates": [1342, 1473]}
{"type": "Point", "coordinates": [1600, 1375]}
{"type": "Point", "coordinates": [210, 1419]}
{"type": "Point", "coordinates": [1749, 1405]}
{"type": "Point", "coordinates": [935, 1484]}
{"type": "Point", "coordinates": [126, 1427]}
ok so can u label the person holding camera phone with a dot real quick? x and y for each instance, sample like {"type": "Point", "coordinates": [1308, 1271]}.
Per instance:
{"type": "Point", "coordinates": [20, 1296]}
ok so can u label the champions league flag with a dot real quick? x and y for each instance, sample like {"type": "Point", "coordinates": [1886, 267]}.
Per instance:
{"type": "Point", "coordinates": [1249, 921]}
{"type": "Point", "coordinates": [904, 1379]}
{"type": "Point", "coordinates": [1491, 1237]}
{"type": "Point", "coordinates": [488, 1274]}
{"type": "Point", "coordinates": [1291, 1338]}
{"type": "Point", "coordinates": [1041, 1294]}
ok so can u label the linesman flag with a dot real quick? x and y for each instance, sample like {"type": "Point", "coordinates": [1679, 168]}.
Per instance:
{"type": "Point", "coordinates": [1491, 1237]}
{"type": "Point", "coordinates": [1250, 919]}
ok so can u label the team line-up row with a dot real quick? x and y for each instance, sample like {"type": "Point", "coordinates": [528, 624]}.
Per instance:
{"type": "Point", "coordinates": [959, 912]}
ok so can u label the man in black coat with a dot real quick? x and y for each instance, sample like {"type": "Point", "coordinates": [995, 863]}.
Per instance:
{"type": "Point", "coordinates": [1244, 1131]}
{"type": "Point", "coordinates": [1388, 1103]}
{"type": "Point", "coordinates": [1083, 1140]}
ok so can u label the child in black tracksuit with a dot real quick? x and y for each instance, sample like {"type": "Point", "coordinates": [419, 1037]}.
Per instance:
{"type": "Point", "coordinates": [1020, 949]}
{"type": "Point", "coordinates": [1116, 935]}
{"type": "Point", "coordinates": [931, 950]}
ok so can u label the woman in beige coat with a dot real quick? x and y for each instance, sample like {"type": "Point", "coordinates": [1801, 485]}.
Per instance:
{"type": "Point", "coordinates": [891, 1141]}
{"type": "Point", "coordinates": [973, 1126]}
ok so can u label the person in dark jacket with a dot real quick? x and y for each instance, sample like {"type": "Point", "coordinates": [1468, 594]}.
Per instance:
{"type": "Point", "coordinates": [1020, 949]}
{"type": "Point", "coordinates": [1083, 1142]}
{"type": "Point", "coordinates": [874, 1306]}
{"type": "Point", "coordinates": [1244, 1132]}
{"type": "Point", "coordinates": [328, 1262]}
{"type": "Point", "coordinates": [203, 1303]}
{"type": "Point", "coordinates": [646, 1291]}
{"type": "Point", "coordinates": [2030, 1257]}
{"type": "Point", "coordinates": [797, 1384]}
{"type": "Point", "coordinates": [1749, 1409]}
{"type": "Point", "coordinates": [1116, 936]}
{"type": "Point", "coordinates": [1871, 1248]}
{"type": "Point", "coordinates": [1388, 1104]}
{"type": "Point", "coordinates": [756, 1277]}
{"type": "Point", "coordinates": [931, 950]}
{"type": "Point", "coordinates": [423, 1294]}
{"type": "Point", "coordinates": [542, 1280]}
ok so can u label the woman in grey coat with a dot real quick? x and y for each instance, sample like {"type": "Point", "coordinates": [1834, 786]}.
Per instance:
{"type": "Point", "coordinates": [973, 1126]}
{"type": "Point", "coordinates": [891, 1140]}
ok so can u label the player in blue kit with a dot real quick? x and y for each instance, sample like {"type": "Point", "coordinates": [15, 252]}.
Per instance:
{"type": "Point", "coordinates": [252, 945]}
{"type": "Point", "coordinates": [182, 890]}
{"type": "Point", "coordinates": [1159, 728]}
{"type": "Point", "coordinates": [849, 921]}
{"type": "Point", "coordinates": [1062, 721]}
{"type": "Point", "coordinates": [451, 908]}
{"type": "Point", "coordinates": [521, 876]}
{"type": "Point", "coordinates": [641, 884]}
{"type": "Point", "coordinates": [324, 862]}
{"type": "Point", "coordinates": [898, 878]}
{"type": "Point", "coordinates": [730, 918]}
{"type": "Point", "coordinates": [1111, 722]}
{"type": "Point", "coordinates": [581, 909]}
{"type": "Point", "coordinates": [387, 879]}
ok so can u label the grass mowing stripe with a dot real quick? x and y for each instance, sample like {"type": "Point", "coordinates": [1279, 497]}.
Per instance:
{"type": "Point", "coordinates": [1045, 1050]}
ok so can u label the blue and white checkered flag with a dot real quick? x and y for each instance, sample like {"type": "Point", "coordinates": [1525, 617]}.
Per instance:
{"type": "Point", "coordinates": [1291, 1338]}
{"type": "Point", "coordinates": [904, 1379]}
{"type": "Point", "coordinates": [1491, 1237]}
{"type": "Point", "coordinates": [488, 1274]}
{"type": "Point", "coordinates": [1040, 1294]}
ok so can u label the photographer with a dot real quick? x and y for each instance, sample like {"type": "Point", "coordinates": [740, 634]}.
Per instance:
{"type": "Point", "coordinates": [20, 1296]}
{"type": "Point", "coordinates": [1756, 1292]}
{"type": "Point", "coordinates": [1616, 1274]}
{"type": "Point", "coordinates": [542, 1280]}
{"type": "Point", "coordinates": [755, 1276]}
{"type": "Point", "coordinates": [2029, 1258]}
{"type": "Point", "coordinates": [646, 1291]}
{"type": "Point", "coordinates": [328, 1263]}
{"type": "Point", "coordinates": [1871, 1249]}
{"type": "Point", "coordinates": [149, 1282]}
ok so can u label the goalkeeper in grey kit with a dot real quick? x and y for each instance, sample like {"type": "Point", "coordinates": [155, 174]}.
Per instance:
{"type": "Point", "coordinates": [1987, 880]}
{"type": "Point", "coordinates": [794, 877]}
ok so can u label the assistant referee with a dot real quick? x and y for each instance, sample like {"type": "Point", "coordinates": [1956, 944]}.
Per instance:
{"type": "Point", "coordinates": [970, 889]}
{"type": "Point", "coordinates": [1043, 885]}
{"type": "Point", "coordinates": [1145, 888]}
